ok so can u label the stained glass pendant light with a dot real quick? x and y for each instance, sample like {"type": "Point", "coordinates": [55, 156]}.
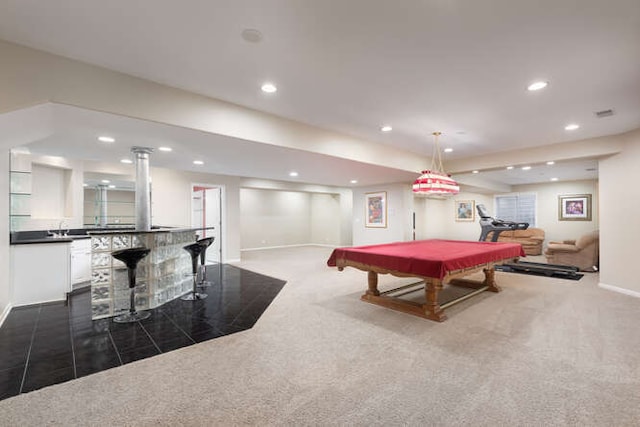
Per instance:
{"type": "Point", "coordinates": [435, 182]}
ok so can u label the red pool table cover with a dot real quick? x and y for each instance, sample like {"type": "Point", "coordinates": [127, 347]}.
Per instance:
{"type": "Point", "coordinates": [428, 258]}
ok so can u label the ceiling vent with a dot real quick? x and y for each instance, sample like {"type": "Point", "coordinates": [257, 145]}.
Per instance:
{"type": "Point", "coordinates": [604, 113]}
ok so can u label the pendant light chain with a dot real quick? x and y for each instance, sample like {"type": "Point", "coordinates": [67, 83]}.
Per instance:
{"type": "Point", "coordinates": [436, 158]}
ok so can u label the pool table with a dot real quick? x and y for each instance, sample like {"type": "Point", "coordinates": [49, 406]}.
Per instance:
{"type": "Point", "coordinates": [436, 262]}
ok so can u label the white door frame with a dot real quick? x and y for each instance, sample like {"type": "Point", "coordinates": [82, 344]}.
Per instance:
{"type": "Point", "coordinates": [223, 218]}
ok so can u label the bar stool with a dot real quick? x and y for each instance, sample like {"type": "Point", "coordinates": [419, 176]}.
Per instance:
{"type": "Point", "coordinates": [205, 243]}
{"type": "Point", "coordinates": [131, 257]}
{"type": "Point", "coordinates": [194, 250]}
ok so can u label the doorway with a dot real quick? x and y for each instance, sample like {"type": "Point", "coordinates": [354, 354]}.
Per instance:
{"type": "Point", "coordinates": [206, 211]}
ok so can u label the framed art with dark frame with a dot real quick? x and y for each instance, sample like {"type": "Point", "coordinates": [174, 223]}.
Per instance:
{"type": "Point", "coordinates": [575, 207]}
{"type": "Point", "coordinates": [465, 210]}
{"type": "Point", "coordinates": [376, 209]}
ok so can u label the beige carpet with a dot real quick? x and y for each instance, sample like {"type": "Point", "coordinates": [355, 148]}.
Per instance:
{"type": "Point", "coordinates": [543, 352]}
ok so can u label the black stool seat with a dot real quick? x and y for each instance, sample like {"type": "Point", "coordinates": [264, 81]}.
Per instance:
{"type": "Point", "coordinates": [205, 243]}
{"type": "Point", "coordinates": [194, 250]}
{"type": "Point", "coordinates": [131, 257]}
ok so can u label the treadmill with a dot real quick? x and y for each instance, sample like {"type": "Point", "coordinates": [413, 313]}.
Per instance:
{"type": "Point", "coordinates": [488, 224]}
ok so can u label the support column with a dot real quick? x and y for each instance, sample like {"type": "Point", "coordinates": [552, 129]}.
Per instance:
{"type": "Point", "coordinates": [101, 197]}
{"type": "Point", "coordinates": [143, 188]}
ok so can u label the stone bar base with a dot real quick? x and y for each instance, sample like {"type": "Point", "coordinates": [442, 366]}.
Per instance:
{"type": "Point", "coordinates": [161, 277]}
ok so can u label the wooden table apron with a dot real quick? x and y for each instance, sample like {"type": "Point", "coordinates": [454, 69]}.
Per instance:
{"type": "Point", "coordinates": [431, 309]}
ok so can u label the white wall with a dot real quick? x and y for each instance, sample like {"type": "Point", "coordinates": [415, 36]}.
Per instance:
{"type": "Point", "coordinates": [399, 215]}
{"type": "Point", "coordinates": [325, 219]}
{"type": "Point", "coordinates": [274, 218]}
{"type": "Point", "coordinates": [48, 193]}
{"type": "Point", "coordinates": [344, 196]}
{"type": "Point", "coordinates": [271, 218]}
{"type": "Point", "coordinates": [619, 224]}
{"type": "Point", "coordinates": [435, 219]}
{"type": "Point", "coordinates": [547, 214]}
{"type": "Point", "coordinates": [171, 203]}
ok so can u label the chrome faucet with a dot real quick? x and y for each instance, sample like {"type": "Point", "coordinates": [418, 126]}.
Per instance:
{"type": "Point", "coordinates": [60, 234]}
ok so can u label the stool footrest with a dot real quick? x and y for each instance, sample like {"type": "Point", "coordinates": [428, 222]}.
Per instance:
{"type": "Point", "coordinates": [132, 317]}
{"type": "Point", "coordinates": [193, 296]}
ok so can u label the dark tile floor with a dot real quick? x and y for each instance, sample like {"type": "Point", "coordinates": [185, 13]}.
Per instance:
{"type": "Point", "coordinates": [46, 344]}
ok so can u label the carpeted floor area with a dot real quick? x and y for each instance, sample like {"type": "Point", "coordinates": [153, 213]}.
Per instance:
{"type": "Point", "coordinates": [544, 352]}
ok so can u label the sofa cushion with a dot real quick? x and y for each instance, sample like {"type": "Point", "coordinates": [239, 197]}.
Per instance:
{"type": "Point", "coordinates": [531, 239]}
{"type": "Point", "coordinates": [561, 247]}
{"type": "Point", "coordinates": [587, 239]}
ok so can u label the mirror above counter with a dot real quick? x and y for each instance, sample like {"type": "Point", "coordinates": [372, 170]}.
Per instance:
{"type": "Point", "coordinates": [109, 200]}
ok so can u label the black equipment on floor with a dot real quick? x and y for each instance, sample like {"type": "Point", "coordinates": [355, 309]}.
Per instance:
{"type": "Point", "coordinates": [488, 223]}
{"type": "Point", "coordinates": [539, 269]}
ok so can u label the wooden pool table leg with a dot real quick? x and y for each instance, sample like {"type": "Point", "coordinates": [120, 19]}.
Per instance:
{"type": "Point", "coordinates": [372, 279]}
{"type": "Point", "coordinates": [490, 280]}
{"type": "Point", "coordinates": [432, 309]}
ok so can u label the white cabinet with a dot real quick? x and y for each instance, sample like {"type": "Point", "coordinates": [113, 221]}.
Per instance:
{"type": "Point", "coordinates": [80, 261]}
{"type": "Point", "coordinates": [39, 273]}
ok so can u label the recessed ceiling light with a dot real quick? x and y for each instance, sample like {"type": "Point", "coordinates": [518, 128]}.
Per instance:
{"type": "Point", "coordinates": [106, 139]}
{"type": "Point", "coordinates": [198, 162]}
{"type": "Point", "coordinates": [537, 85]}
{"type": "Point", "coordinates": [386, 128]}
{"type": "Point", "coordinates": [269, 88]}
{"type": "Point", "coordinates": [84, 184]}
{"type": "Point", "coordinates": [475, 171]}
{"type": "Point", "coordinates": [448, 150]}
{"type": "Point", "coordinates": [551, 162]}
{"type": "Point", "coordinates": [126, 161]}
{"type": "Point", "coordinates": [293, 173]}
{"type": "Point", "coordinates": [554, 179]}
{"type": "Point", "coordinates": [526, 168]}
{"type": "Point", "coordinates": [571, 126]}
{"type": "Point", "coordinates": [105, 181]}
{"type": "Point", "coordinates": [354, 181]}
{"type": "Point", "coordinates": [509, 168]}
{"type": "Point", "coordinates": [165, 149]}
{"type": "Point", "coordinates": [252, 36]}
{"type": "Point", "coordinates": [112, 186]}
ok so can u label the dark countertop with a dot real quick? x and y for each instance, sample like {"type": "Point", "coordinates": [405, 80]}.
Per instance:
{"type": "Point", "coordinates": [153, 230]}
{"type": "Point", "coordinates": [67, 239]}
{"type": "Point", "coordinates": [43, 236]}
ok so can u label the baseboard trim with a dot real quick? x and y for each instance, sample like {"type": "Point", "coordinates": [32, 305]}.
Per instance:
{"type": "Point", "coordinates": [45, 302]}
{"type": "Point", "coordinates": [5, 313]}
{"type": "Point", "coordinates": [288, 246]}
{"type": "Point", "coordinates": [624, 291]}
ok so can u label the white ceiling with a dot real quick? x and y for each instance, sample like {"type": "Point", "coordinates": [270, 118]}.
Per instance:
{"type": "Point", "coordinates": [460, 67]}
{"type": "Point", "coordinates": [72, 132]}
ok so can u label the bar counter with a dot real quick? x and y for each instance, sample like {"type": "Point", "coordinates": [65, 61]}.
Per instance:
{"type": "Point", "coordinates": [162, 276]}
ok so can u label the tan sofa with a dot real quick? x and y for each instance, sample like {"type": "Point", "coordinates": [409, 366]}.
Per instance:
{"type": "Point", "coordinates": [531, 239]}
{"type": "Point", "coordinates": [582, 253]}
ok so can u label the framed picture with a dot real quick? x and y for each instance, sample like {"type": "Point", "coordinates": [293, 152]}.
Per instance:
{"type": "Point", "coordinates": [376, 209]}
{"type": "Point", "coordinates": [465, 210]}
{"type": "Point", "coordinates": [576, 207]}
